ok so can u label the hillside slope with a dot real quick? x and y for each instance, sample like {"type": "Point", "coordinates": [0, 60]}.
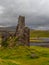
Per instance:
{"type": "Point", "coordinates": [24, 56]}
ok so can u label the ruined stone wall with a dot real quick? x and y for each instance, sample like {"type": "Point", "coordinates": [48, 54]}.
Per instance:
{"type": "Point", "coordinates": [21, 22]}
{"type": "Point", "coordinates": [5, 36]}
{"type": "Point", "coordinates": [22, 32]}
{"type": "Point", "coordinates": [20, 27]}
{"type": "Point", "coordinates": [21, 36]}
{"type": "Point", "coordinates": [27, 36]}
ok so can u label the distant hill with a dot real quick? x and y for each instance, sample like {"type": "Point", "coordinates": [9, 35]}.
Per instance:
{"type": "Point", "coordinates": [12, 28]}
{"type": "Point", "coordinates": [33, 33]}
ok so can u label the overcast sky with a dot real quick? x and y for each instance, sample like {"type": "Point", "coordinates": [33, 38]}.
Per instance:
{"type": "Point", "coordinates": [35, 11]}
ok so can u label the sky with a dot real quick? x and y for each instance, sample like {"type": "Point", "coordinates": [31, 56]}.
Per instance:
{"type": "Point", "coordinates": [36, 13]}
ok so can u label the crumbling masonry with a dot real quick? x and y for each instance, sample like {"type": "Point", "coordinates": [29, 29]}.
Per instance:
{"type": "Point", "coordinates": [22, 32]}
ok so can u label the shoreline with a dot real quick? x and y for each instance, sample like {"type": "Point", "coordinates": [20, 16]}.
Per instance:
{"type": "Point", "coordinates": [39, 40]}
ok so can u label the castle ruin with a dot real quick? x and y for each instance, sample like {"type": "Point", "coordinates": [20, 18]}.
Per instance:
{"type": "Point", "coordinates": [22, 32]}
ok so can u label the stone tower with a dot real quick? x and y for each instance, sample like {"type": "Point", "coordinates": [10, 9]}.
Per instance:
{"type": "Point", "coordinates": [20, 26]}
{"type": "Point", "coordinates": [21, 22]}
{"type": "Point", "coordinates": [22, 32]}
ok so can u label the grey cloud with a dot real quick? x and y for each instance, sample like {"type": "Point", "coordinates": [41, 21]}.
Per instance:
{"type": "Point", "coordinates": [35, 11]}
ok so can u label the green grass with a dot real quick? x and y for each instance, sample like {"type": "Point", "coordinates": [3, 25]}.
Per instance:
{"type": "Point", "coordinates": [22, 56]}
{"type": "Point", "coordinates": [38, 33]}
{"type": "Point", "coordinates": [36, 41]}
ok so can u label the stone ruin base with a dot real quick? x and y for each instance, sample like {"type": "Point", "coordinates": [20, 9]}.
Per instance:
{"type": "Point", "coordinates": [21, 36]}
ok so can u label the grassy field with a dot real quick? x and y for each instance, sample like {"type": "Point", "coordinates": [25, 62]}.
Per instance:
{"type": "Point", "coordinates": [21, 55]}
{"type": "Point", "coordinates": [36, 41]}
{"type": "Point", "coordinates": [38, 33]}
{"type": "Point", "coordinates": [24, 56]}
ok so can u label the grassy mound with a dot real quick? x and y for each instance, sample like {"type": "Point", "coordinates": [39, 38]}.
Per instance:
{"type": "Point", "coordinates": [24, 56]}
